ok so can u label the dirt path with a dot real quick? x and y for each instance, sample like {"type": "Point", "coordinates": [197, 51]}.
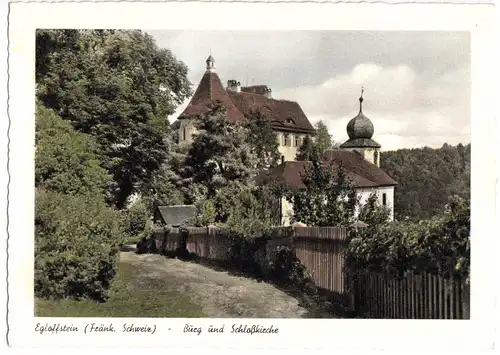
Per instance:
{"type": "Point", "coordinates": [219, 293]}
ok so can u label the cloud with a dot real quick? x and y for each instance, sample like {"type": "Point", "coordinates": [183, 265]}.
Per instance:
{"type": "Point", "coordinates": [407, 109]}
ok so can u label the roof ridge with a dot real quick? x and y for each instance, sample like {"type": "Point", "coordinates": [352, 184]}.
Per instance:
{"type": "Point", "coordinates": [210, 85]}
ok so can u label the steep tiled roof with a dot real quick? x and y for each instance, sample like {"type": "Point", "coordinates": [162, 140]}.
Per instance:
{"type": "Point", "coordinates": [284, 115]}
{"type": "Point", "coordinates": [208, 92]}
{"type": "Point", "coordinates": [361, 172]}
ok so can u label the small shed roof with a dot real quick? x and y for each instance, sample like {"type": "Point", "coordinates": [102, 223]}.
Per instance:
{"type": "Point", "coordinates": [176, 215]}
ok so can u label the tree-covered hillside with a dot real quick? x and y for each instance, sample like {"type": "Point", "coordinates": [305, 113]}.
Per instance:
{"type": "Point", "coordinates": [427, 178]}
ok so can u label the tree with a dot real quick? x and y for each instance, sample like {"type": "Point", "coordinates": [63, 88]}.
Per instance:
{"type": "Point", "coordinates": [263, 142]}
{"type": "Point", "coordinates": [315, 149]}
{"type": "Point", "coordinates": [308, 151]}
{"type": "Point", "coordinates": [374, 214]}
{"type": "Point", "coordinates": [328, 199]}
{"type": "Point", "coordinates": [119, 87]}
{"type": "Point", "coordinates": [219, 163]}
{"type": "Point", "coordinates": [323, 139]}
{"type": "Point", "coordinates": [66, 161]}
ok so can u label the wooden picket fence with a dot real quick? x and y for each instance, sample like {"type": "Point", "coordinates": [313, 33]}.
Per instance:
{"type": "Point", "coordinates": [416, 296]}
{"type": "Point", "coordinates": [320, 250]}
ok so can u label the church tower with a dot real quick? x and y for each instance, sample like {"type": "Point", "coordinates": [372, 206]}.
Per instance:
{"type": "Point", "coordinates": [360, 130]}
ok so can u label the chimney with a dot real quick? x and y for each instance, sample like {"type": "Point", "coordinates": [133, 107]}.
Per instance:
{"type": "Point", "coordinates": [233, 85]}
{"type": "Point", "coordinates": [268, 93]}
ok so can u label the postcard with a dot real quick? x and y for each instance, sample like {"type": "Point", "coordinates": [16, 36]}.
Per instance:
{"type": "Point", "coordinates": [251, 175]}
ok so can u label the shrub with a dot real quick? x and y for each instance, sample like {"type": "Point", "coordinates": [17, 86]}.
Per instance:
{"type": "Point", "coordinates": [67, 161]}
{"type": "Point", "coordinates": [136, 221]}
{"type": "Point", "coordinates": [440, 245]}
{"type": "Point", "coordinates": [205, 213]}
{"type": "Point", "coordinates": [77, 240]}
{"type": "Point", "coordinates": [248, 227]}
{"type": "Point", "coordinates": [285, 267]}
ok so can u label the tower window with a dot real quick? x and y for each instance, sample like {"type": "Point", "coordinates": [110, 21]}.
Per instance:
{"type": "Point", "coordinates": [375, 158]}
{"type": "Point", "coordinates": [384, 199]}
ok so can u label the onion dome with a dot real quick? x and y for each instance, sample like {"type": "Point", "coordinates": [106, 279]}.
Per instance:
{"type": "Point", "coordinates": [360, 130]}
{"type": "Point", "coordinates": [360, 126]}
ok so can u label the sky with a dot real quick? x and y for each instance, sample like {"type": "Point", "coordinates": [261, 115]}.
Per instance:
{"type": "Point", "coordinates": [416, 84]}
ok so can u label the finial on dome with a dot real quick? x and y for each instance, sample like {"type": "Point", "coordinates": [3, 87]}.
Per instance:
{"type": "Point", "coordinates": [361, 99]}
{"type": "Point", "coordinates": [210, 62]}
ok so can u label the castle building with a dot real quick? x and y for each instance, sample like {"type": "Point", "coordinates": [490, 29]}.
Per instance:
{"type": "Point", "coordinates": [359, 156]}
{"type": "Point", "coordinates": [287, 119]}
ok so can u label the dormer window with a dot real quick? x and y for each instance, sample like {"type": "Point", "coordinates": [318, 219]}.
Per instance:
{"type": "Point", "coordinates": [290, 121]}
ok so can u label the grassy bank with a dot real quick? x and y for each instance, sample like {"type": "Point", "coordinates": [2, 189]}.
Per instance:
{"type": "Point", "coordinates": [133, 294]}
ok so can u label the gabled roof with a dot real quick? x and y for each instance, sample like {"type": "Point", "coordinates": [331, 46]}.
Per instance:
{"type": "Point", "coordinates": [208, 92]}
{"type": "Point", "coordinates": [361, 172]}
{"type": "Point", "coordinates": [175, 216]}
{"type": "Point", "coordinates": [358, 165]}
{"type": "Point", "coordinates": [282, 114]}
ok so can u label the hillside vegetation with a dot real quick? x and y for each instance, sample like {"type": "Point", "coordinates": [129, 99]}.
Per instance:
{"type": "Point", "coordinates": [427, 178]}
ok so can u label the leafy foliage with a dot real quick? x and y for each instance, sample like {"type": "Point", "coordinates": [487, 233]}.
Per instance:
{"type": "Point", "coordinates": [323, 140]}
{"type": "Point", "coordinates": [284, 266]}
{"type": "Point", "coordinates": [427, 178]}
{"type": "Point", "coordinates": [66, 161]}
{"type": "Point", "coordinates": [219, 163]}
{"type": "Point", "coordinates": [205, 213]}
{"type": "Point", "coordinates": [440, 245]}
{"type": "Point", "coordinates": [262, 141]}
{"type": "Point", "coordinates": [119, 87]}
{"type": "Point", "coordinates": [374, 214]}
{"type": "Point", "coordinates": [77, 241]}
{"type": "Point", "coordinates": [315, 148]}
{"type": "Point", "coordinates": [328, 199]}
{"type": "Point", "coordinates": [308, 151]}
{"type": "Point", "coordinates": [136, 219]}
{"type": "Point", "coordinates": [163, 189]}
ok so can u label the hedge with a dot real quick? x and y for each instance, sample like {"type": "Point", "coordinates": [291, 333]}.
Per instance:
{"type": "Point", "coordinates": [440, 245]}
{"type": "Point", "coordinates": [77, 242]}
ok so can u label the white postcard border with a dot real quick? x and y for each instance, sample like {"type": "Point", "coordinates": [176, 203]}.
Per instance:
{"type": "Point", "coordinates": [304, 333]}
